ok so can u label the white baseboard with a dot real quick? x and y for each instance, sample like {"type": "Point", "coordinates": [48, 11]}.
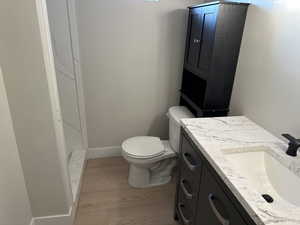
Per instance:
{"type": "Point", "coordinates": [94, 153]}
{"type": "Point", "coordinates": [66, 219]}
{"type": "Point", "coordinates": [32, 222]}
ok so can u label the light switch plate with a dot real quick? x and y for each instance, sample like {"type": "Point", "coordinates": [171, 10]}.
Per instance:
{"type": "Point", "coordinates": [151, 0]}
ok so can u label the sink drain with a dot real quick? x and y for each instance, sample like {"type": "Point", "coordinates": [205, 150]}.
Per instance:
{"type": "Point", "coordinates": [268, 198]}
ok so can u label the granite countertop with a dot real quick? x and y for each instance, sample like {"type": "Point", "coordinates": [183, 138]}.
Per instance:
{"type": "Point", "coordinates": [213, 135]}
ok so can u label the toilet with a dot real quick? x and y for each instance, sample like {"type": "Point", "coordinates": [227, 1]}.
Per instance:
{"type": "Point", "coordinates": [152, 160]}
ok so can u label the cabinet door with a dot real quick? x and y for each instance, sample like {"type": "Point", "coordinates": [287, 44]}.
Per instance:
{"type": "Point", "coordinates": [184, 208]}
{"type": "Point", "coordinates": [194, 36]}
{"type": "Point", "coordinates": [207, 39]}
{"type": "Point", "coordinates": [214, 207]}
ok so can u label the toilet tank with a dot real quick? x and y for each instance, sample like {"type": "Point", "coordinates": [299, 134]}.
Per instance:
{"type": "Point", "coordinates": [175, 114]}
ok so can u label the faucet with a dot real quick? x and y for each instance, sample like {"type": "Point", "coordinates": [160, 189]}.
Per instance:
{"type": "Point", "coordinates": [294, 144]}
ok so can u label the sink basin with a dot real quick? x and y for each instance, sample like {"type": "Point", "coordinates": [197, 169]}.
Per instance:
{"type": "Point", "coordinates": [267, 175]}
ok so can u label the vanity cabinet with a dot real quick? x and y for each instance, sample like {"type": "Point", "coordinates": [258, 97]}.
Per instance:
{"type": "Point", "coordinates": [188, 183]}
{"type": "Point", "coordinates": [213, 42]}
{"type": "Point", "coordinates": [202, 197]}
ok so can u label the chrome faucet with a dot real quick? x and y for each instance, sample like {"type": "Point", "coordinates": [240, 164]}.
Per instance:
{"type": "Point", "coordinates": [294, 144]}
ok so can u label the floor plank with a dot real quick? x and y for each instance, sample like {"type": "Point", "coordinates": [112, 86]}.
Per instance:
{"type": "Point", "coordinates": [107, 199]}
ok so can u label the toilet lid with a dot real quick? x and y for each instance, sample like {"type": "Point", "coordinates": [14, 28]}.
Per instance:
{"type": "Point", "coordinates": [143, 147]}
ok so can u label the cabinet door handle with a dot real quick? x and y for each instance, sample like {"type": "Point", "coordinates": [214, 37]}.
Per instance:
{"type": "Point", "coordinates": [187, 162]}
{"type": "Point", "coordinates": [221, 219]}
{"type": "Point", "coordinates": [187, 194]}
{"type": "Point", "coordinates": [196, 40]}
{"type": "Point", "coordinates": [184, 219]}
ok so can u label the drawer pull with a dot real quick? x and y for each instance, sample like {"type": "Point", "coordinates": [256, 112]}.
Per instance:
{"type": "Point", "coordinates": [187, 194]}
{"type": "Point", "coordinates": [221, 219]}
{"type": "Point", "coordinates": [184, 219]}
{"type": "Point", "coordinates": [187, 161]}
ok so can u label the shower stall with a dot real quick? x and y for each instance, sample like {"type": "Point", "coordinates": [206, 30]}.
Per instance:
{"type": "Point", "coordinates": [64, 39]}
{"type": "Point", "coordinates": [58, 27]}
{"type": "Point", "coordinates": [41, 74]}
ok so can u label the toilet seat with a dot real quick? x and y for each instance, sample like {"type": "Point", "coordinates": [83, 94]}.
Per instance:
{"type": "Point", "coordinates": [143, 147]}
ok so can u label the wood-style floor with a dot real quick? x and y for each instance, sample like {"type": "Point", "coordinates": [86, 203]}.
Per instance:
{"type": "Point", "coordinates": [107, 199]}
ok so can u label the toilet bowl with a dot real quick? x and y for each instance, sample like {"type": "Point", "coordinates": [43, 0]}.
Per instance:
{"type": "Point", "coordinates": [152, 160]}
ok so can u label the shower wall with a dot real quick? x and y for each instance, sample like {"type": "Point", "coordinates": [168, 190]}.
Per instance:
{"type": "Point", "coordinates": [32, 98]}
{"type": "Point", "coordinates": [62, 19]}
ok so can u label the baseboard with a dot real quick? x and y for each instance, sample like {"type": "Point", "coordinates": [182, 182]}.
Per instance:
{"type": "Point", "coordinates": [65, 219]}
{"type": "Point", "coordinates": [94, 153]}
{"type": "Point", "coordinates": [32, 222]}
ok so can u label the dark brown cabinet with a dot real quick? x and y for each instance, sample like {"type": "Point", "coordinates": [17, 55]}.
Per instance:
{"type": "Point", "coordinates": [188, 184]}
{"type": "Point", "coordinates": [201, 39]}
{"type": "Point", "coordinates": [214, 207]}
{"type": "Point", "coordinates": [202, 197]}
{"type": "Point", "coordinates": [212, 48]}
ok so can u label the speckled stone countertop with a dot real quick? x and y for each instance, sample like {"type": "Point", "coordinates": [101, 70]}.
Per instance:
{"type": "Point", "coordinates": [213, 135]}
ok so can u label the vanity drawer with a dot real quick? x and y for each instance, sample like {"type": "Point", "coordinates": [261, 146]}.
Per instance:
{"type": "Point", "coordinates": [189, 156]}
{"type": "Point", "coordinates": [184, 208]}
{"type": "Point", "coordinates": [189, 182]}
{"type": "Point", "coordinates": [188, 195]}
{"type": "Point", "coordinates": [190, 165]}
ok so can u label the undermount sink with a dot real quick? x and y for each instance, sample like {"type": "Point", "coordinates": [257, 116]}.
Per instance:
{"type": "Point", "coordinates": [265, 174]}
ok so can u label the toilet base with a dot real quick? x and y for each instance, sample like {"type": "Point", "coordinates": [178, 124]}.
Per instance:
{"type": "Point", "coordinates": [154, 175]}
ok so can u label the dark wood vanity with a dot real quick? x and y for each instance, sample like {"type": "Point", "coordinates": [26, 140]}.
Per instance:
{"type": "Point", "coordinates": [213, 42]}
{"type": "Point", "coordinates": [202, 198]}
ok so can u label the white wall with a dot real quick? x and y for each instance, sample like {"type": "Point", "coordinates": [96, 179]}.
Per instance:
{"type": "Point", "coordinates": [26, 82]}
{"type": "Point", "coordinates": [267, 85]}
{"type": "Point", "coordinates": [132, 56]}
{"type": "Point", "coordinates": [14, 202]}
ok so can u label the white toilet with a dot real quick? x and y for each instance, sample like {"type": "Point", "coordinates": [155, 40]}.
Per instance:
{"type": "Point", "coordinates": [151, 159]}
